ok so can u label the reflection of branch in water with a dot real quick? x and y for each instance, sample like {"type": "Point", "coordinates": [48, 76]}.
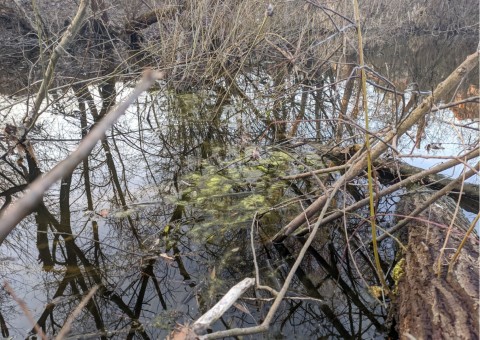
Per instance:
{"type": "Point", "coordinates": [352, 295]}
{"type": "Point", "coordinates": [3, 327]}
{"type": "Point", "coordinates": [312, 291]}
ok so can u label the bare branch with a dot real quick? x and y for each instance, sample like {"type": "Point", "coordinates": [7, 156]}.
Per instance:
{"type": "Point", "coordinates": [25, 310]}
{"type": "Point", "coordinates": [17, 211]}
{"type": "Point", "coordinates": [59, 50]}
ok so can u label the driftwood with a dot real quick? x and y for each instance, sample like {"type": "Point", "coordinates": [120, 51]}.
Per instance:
{"type": "Point", "coordinates": [431, 303]}
{"type": "Point", "coordinates": [200, 327]}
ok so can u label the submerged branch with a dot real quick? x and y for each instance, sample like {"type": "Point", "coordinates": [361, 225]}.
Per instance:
{"type": "Point", "coordinates": [200, 326]}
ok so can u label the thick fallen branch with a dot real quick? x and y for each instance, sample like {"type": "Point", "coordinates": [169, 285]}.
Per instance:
{"type": "Point", "coordinates": [391, 189]}
{"type": "Point", "coordinates": [429, 304]}
{"type": "Point", "coordinates": [18, 210]}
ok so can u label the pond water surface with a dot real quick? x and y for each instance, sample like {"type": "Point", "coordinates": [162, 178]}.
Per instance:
{"type": "Point", "coordinates": [162, 219]}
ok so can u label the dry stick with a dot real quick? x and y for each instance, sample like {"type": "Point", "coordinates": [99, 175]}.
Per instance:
{"type": "Point", "coordinates": [59, 50]}
{"type": "Point", "coordinates": [255, 263]}
{"type": "Point", "coordinates": [357, 167]}
{"type": "Point", "coordinates": [17, 211]}
{"type": "Point", "coordinates": [465, 238]}
{"type": "Point", "coordinates": [25, 310]}
{"type": "Point", "coordinates": [450, 227]}
{"type": "Point", "coordinates": [223, 305]}
{"type": "Point", "coordinates": [315, 172]}
{"type": "Point", "coordinates": [68, 323]}
{"type": "Point", "coordinates": [436, 196]}
{"type": "Point", "coordinates": [474, 99]}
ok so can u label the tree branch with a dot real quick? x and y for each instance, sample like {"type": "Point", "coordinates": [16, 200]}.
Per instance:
{"type": "Point", "coordinates": [17, 211]}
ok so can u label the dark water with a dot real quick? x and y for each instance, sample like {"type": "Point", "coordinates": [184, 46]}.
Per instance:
{"type": "Point", "coordinates": [164, 227]}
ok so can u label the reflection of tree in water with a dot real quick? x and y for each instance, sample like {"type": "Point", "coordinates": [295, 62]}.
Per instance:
{"type": "Point", "coordinates": [185, 254]}
{"type": "Point", "coordinates": [182, 175]}
{"type": "Point", "coordinates": [139, 280]}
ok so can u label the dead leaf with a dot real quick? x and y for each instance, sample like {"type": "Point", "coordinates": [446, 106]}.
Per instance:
{"type": "Point", "coordinates": [166, 257]}
{"type": "Point", "coordinates": [241, 307]}
{"type": "Point", "coordinates": [212, 273]}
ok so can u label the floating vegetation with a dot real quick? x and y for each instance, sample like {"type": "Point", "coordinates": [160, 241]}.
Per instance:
{"type": "Point", "coordinates": [228, 194]}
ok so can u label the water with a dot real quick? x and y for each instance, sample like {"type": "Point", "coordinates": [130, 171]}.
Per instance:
{"type": "Point", "coordinates": [194, 169]}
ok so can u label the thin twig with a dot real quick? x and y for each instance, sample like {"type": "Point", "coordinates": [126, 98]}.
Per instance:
{"type": "Point", "coordinates": [68, 323]}
{"type": "Point", "coordinates": [465, 238]}
{"type": "Point", "coordinates": [257, 272]}
{"type": "Point", "coordinates": [315, 172]}
{"type": "Point", "coordinates": [25, 310]}
{"type": "Point", "coordinates": [450, 227]}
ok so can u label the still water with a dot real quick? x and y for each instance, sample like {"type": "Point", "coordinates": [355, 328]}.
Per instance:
{"type": "Point", "coordinates": [161, 216]}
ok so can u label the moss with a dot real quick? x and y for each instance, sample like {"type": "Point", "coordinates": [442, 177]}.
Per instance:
{"type": "Point", "coordinates": [376, 291]}
{"type": "Point", "coordinates": [253, 202]}
{"type": "Point", "coordinates": [398, 271]}
{"type": "Point", "coordinates": [227, 194]}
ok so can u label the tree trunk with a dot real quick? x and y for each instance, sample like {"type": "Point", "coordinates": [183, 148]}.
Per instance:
{"type": "Point", "coordinates": [431, 303]}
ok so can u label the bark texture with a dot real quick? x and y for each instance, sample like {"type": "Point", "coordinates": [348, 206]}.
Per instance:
{"type": "Point", "coordinates": [432, 305]}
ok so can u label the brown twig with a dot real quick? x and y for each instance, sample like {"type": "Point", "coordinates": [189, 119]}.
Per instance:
{"type": "Point", "coordinates": [255, 263]}
{"type": "Point", "coordinates": [464, 240]}
{"type": "Point", "coordinates": [315, 172]}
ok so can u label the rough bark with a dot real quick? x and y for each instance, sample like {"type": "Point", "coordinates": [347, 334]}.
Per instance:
{"type": "Point", "coordinates": [434, 305]}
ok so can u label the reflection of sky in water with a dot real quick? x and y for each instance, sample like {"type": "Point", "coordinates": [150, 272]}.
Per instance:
{"type": "Point", "coordinates": [452, 141]}
{"type": "Point", "coordinates": [25, 276]}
